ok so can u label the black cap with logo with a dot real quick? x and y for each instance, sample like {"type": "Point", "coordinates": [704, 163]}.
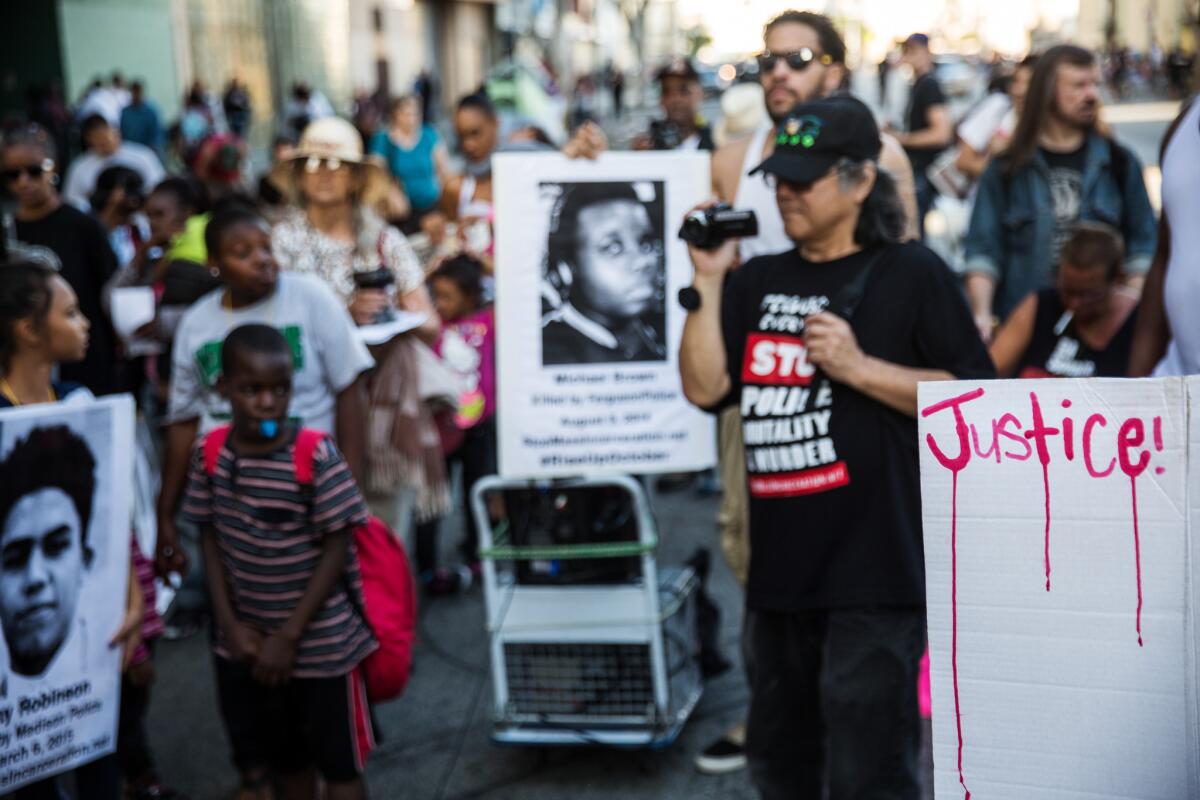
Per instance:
{"type": "Point", "coordinates": [816, 135]}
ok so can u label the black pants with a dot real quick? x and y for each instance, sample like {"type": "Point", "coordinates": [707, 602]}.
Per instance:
{"type": "Point", "coordinates": [477, 455]}
{"type": "Point", "coordinates": [133, 751]}
{"type": "Point", "coordinates": [95, 780]}
{"type": "Point", "coordinates": [833, 700]}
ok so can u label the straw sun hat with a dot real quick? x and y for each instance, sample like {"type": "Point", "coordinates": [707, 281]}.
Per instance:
{"type": "Point", "coordinates": [335, 139]}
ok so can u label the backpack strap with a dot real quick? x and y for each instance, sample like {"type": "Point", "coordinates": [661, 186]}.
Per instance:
{"type": "Point", "coordinates": [214, 441]}
{"type": "Point", "coordinates": [304, 453]}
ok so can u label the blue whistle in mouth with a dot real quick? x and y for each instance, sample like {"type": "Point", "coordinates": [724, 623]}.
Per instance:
{"type": "Point", "coordinates": [268, 428]}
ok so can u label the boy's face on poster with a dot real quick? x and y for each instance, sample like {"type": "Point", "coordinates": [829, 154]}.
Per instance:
{"type": "Point", "coordinates": [42, 562]}
{"type": "Point", "coordinates": [617, 260]}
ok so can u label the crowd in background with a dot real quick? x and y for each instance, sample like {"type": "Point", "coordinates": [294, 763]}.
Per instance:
{"type": "Point", "coordinates": [361, 221]}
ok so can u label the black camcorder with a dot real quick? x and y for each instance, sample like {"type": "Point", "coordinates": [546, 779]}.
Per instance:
{"type": "Point", "coordinates": [709, 228]}
{"type": "Point", "coordinates": [381, 278]}
{"type": "Point", "coordinates": [664, 135]}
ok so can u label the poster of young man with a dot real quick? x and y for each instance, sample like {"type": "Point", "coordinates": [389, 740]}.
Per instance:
{"type": "Point", "coordinates": [588, 266]}
{"type": "Point", "coordinates": [66, 474]}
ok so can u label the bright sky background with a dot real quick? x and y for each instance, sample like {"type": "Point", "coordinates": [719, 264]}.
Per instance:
{"type": "Point", "coordinates": [736, 25]}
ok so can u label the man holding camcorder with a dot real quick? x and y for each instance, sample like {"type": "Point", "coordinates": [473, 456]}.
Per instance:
{"type": "Point", "coordinates": [680, 95]}
{"type": "Point", "coordinates": [821, 348]}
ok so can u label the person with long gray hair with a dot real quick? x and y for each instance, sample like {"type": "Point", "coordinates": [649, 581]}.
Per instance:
{"type": "Point", "coordinates": [820, 349]}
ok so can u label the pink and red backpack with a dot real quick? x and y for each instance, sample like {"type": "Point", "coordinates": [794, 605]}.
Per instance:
{"type": "Point", "coordinates": [389, 599]}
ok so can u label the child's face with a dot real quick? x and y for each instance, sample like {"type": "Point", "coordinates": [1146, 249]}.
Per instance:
{"type": "Point", "coordinates": [245, 259]}
{"type": "Point", "coordinates": [259, 389]}
{"type": "Point", "coordinates": [165, 215]}
{"type": "Point", "coordinates": [450, 301]}
{"type": "Point", "coordinates": [63, 334]}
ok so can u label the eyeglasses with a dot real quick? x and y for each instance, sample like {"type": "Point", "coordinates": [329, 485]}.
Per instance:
{"type": "Point", "coordinates": [773, 182]}
{"type": "Point", "coordinates": [31, 171]}
{"type": "Point", "coordinates": [315, 163]}
{"type": "Point", "coordinates": [797, 60]}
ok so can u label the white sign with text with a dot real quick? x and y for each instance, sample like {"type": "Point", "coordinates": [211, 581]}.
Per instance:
{"type": "Point", "coordinates": [1059, 572]}
{"type": "Point", "coordinates": [588, 266]}
{"type": "Point", "coordinates": [66, 477]}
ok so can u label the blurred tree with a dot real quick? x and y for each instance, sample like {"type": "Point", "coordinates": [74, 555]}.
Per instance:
{"type": "Point", "coordinates": [697, 39]}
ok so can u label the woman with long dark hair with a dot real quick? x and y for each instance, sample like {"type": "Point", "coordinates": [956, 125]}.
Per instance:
{"type": "Point", "coordinates": [80, 244]}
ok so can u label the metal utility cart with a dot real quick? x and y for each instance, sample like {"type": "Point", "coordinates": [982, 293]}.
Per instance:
{"type": "Point", "coordinates": [590, 642]}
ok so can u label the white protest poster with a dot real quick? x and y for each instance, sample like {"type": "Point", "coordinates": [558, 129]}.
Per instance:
{"type": "Point", "coordinates": [588, 266]}
{"type": "Point", "coordinates": [1056, 555]}
{"type": "Point", "coordinates": [66, 476]}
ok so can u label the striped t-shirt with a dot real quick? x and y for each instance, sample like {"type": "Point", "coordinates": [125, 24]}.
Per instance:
{"type": "Point", "coordinates": [269, 532]}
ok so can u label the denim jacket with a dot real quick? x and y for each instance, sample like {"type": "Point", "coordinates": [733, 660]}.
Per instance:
{"type": "Point", "coordinates": [1012, 226]}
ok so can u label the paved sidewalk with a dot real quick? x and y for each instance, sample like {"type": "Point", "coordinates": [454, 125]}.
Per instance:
{"type": "Point", "coordinates": [437, 745]}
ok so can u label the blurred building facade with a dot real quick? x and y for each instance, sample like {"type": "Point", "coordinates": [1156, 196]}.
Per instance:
{"type": "Point", "coordinates": [340, 47]}
{"type": "Point", "coordinates": [1138, 24]}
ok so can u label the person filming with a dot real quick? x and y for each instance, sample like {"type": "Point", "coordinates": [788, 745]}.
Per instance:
{"type": "Point", "coordinates": [821, 348]}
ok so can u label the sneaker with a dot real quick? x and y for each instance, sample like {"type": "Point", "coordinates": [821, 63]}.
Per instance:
{"type": "Point", "coordinates": [722, 756]}
{"type": "Point", "coordinates": [440, 582]}
{"type": "Point", "coordinates": [446, 581]}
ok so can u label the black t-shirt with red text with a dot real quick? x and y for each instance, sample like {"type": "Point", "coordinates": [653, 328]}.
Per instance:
{"type": "Point", "coordinates": [835, 504]}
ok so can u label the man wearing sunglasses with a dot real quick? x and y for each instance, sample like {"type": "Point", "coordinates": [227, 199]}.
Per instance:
{"type": "Point", "coordinates": [803, 59]}
{"type": "Point", "coordinates": [819, 350]}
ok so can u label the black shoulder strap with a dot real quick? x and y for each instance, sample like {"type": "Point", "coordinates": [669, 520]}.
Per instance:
{"type": "Point", "coordinates": [850, 296]}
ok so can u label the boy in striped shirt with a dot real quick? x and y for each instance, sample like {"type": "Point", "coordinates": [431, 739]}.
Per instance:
{"type": "Point", "coordinates": [280, 566]}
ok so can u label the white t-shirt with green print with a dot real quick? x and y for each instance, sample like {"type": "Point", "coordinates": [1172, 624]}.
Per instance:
{"type": "Point", "coordinates": [327, 352]}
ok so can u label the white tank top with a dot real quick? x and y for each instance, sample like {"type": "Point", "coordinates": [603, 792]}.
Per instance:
{"type": "Point", "coordinates": [468, 206]}
{"type": "Point", "coordinates": [1181, 202]}
{"type": "Point", "coordinates": [752, 193]}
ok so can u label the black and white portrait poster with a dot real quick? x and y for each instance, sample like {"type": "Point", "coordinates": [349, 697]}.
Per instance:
{"type": "Point", "coordinates": [66, 478]}
{"type": "Point", "coordinates": [588, 266]}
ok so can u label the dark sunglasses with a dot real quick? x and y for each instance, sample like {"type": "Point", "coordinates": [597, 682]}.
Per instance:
{"type": "Point", "coordinates": [773, 182]}
{"type": "Point", "coordinates": [31, 171]}
{"type": "Point", "coordinates": [797, 60]}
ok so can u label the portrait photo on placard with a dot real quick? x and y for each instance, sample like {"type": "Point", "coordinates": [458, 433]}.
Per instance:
{"type": "Point", "coordinates": [53, 531]}
{"type": "Point", "coordinates": [66, 475]}
{"type": "Point", "coordinates": [604, 275]}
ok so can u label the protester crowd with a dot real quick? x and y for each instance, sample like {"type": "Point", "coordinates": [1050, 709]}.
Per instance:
{"type": "Point", "coordinates": [261, 287]}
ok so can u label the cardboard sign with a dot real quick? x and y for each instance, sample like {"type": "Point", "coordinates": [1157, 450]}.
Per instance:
{"type": "Point", "coordinates": [66, 476]}
{"type": "Point", "coordinates": [588, 266]}
{"type": "Point", "coordinates": [1058, 570]}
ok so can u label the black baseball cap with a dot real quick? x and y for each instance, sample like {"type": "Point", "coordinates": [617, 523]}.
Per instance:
{"type": "Point", "coordinates": [678, 67]}
{"type": "Point", "coordinates": [816, 135]}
